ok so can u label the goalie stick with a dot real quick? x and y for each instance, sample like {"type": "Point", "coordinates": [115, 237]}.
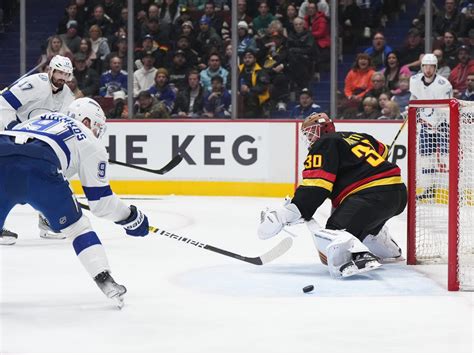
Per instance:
{"type": "Point", "coordinates": [278, 250]}
{"type": "Point", "coordinates": [171, 165]}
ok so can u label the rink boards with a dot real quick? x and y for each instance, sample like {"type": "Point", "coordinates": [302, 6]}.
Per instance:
{"type": "Point", "coordinates": [221, 157]}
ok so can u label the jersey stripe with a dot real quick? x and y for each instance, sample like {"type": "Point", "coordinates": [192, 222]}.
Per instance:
{"type": "Point", "coordinates": [318, 183]}
{"type": "Point", "coordinates": [84, 241]}
{"type": "Point", "coordinates": [378, 180]}
{"type": "Point", "coordinates": [12, 99]}
{"type": "Point", "coordinates": [96, 193]}
{"type": "Point", "coordinates": [308, 174]}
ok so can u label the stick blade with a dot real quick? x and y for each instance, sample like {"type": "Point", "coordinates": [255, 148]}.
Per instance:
{"type": "Point", "coordinates": [171, 165]}
{"type": "Point", "coordinates": [277, 251]}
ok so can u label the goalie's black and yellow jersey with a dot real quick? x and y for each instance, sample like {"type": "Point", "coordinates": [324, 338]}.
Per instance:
{"type": "Point", "coordinates": [341, 164]}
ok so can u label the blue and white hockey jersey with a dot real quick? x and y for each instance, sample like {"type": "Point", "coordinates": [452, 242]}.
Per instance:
{"type": "Point", "coordinates": [79, 152]}
{"type": "Point", "coordinates": [31, 97]}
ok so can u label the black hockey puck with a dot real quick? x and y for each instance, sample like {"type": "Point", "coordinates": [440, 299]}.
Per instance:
{"type": "Point", "coordinates": [308, 288]}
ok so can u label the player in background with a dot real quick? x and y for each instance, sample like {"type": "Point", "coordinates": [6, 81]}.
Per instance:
{"type": "Point", "coordinates": [35, 158]}
{"type": "Point", "coordinates": [365, 189]}
{"type": "Point", "coordinates": [433, 138]}
{"type": "Point", "coordinates": [33, 95]}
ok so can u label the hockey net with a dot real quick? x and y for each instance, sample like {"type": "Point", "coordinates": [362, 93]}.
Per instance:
{"type": "Point", "coordinates": [441, 187]}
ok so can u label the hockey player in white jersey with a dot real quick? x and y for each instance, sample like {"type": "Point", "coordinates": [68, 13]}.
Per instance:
{"type": "Point", "coordinates": [427, 85]}
{"type": "Point", "coordinates": [38, 93]}
{"type": "Point", "coordinates": [37, 155]}
{"type": "Point", "coordinates": [433, 142]}
{"type": "Point", "coordinates": [33, 95]}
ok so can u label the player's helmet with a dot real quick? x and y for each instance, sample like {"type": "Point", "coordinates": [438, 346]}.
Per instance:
{"type": "Point", "coordinates": [315, 126]}
{"type": "Point", "coordinates": [429, 59]}
{"type": "Point", "coordinates": [86, 107]}
{"type": "Point", "coordinates": [58, 62]}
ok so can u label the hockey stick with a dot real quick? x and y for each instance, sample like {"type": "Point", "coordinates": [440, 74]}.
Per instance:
{"type": "Point", "coordinates": [171, 164]}
{"type": "Point", "coordinates": [278, 250]}
{"type": "Point", "coordinates": [396, 136]}
{"type": "Point", "coordinates": [31, 71]}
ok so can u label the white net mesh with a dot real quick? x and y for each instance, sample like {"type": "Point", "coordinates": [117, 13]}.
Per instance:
{"type": "Point", "coordinates": [466, 196]}
{"type": "Point", "coordinates": [432, 188]}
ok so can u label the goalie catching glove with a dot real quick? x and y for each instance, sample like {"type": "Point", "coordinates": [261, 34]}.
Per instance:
{"type": "Point", "coordinates": [136, 224]}
{"type": "Point", "coordinates": [272, 221]}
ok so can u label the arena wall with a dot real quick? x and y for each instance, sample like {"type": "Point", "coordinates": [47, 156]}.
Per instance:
{"type": "Point", "coordinates": [221, 158]}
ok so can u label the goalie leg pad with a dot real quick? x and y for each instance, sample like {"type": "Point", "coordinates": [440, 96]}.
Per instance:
{"type": "Point", "coordinates": [343, 251]}
{"type": "Point", "coordinates": [382, 245]}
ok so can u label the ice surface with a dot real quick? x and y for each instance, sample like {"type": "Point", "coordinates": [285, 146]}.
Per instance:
{"type": "Point", "coordinates": [184, 299]}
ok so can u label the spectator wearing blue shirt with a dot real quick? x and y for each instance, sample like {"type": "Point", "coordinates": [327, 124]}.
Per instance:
{"type": "Point", "coordinates": [379, 50]}
{"type": "Point", "coordinates": [162, 90]}
{"type": "Point", "coordinates": [468, 94]}
{"type": "Point", "coordinates": [306, 106]}
{"type": "Point", "coordinates": [113, 80]}
{"type": "Point", "coordinates": [217, 102]}
{"type": "Point", "coordinates": [214, 68]}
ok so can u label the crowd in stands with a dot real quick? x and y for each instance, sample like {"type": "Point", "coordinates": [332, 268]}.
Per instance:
{"type": "Point", "coordinates": [182, 55]}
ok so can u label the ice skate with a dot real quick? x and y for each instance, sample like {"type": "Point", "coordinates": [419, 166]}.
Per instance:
{"type": "Point", "coordinates": [110, 288]}
{"type": "Point", "coordinates": [45, 230]}
{"type": "Point", "coordinates": [361, 262]}
{"type": "Point", "coordinates": [8, 237]}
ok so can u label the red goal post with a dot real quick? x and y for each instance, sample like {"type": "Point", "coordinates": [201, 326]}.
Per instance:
{"type": "Point", "coordinates": [441, 187]}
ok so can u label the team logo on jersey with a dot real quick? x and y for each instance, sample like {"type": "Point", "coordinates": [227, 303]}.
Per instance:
{"type": "Point", "coordinates": [43, 77]}
{"type": "Point", "coordinates": [38, 112]}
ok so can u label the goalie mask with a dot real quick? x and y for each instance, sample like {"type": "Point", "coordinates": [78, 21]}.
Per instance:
{"type": "Point", "coordinates": [87, 108]}
{"type": "Point", "coordinates": [315, 126]}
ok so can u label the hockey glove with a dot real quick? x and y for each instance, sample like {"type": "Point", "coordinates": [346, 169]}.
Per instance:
{"type": "Point", "coordinates": [272, 221]}
{"type": "Point", "coordinates": [136, 224]}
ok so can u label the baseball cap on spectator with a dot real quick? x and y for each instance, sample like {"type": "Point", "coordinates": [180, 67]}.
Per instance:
{"type": "Point", "coordinates": [122, 39]}
{"type": "Point", "coordinates": [306, 91]}
{"type": "Point", "coordinates": [183, 36]}
{"type": "Point", "coordinates": [148, 37]}
{"type": "Point", "coordinates": [71, 24]}
{"type": "Point", "coordinates": [79, 57]}
{"type": "Point", "coordinates": [463, 48]}
{"type": "Point", "coordinates": [179, 52]}
{"type": "Point", "coordinates": [251, 51]}
{"type": "Point", "coordinates": [188, 23]}
{"type": "Point", "coordinates": [162, 71]}
{"type": "Point", "coordinates": [243, 24]}
{"type": "Point", "coordinates": [414, 32]}
{"type": "Point", "coordinates": [204, 20]}
{"type": "Point", "coordinates": [119, 95]}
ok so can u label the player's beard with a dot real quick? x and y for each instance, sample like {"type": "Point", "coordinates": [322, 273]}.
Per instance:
{"type": "Point", "coordinates": [58, 84]}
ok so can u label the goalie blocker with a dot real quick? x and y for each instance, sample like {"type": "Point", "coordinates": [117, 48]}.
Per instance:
{"type": "Point", "coordinates": [366, 190]}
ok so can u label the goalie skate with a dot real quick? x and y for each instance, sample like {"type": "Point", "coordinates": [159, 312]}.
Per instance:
{"type": "Point", "coordinates": [362, 262]}
{"type": "Point", "coordinates": [8, 237]}
{"type": "Point", "coordinates": [110, 288]}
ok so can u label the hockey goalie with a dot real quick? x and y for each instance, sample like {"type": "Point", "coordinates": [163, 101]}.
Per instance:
{"type": "Point", "coordinates": [366, 190]}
